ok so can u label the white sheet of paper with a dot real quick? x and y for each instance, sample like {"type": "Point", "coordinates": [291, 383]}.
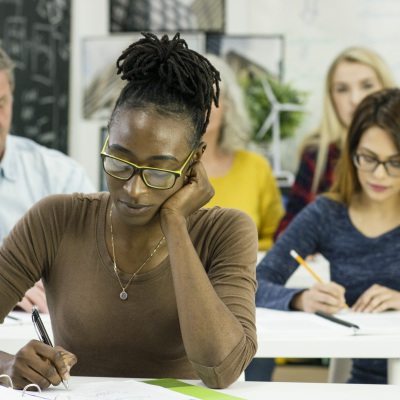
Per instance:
{"type": "Point", "coordinates": [108, 390]}
{"type": "Point", "coordinates": [285, 323]}
{"type": "Point", "coordinates": [381, 323]}
{"type": "Point", "coordinates": [9, 394]}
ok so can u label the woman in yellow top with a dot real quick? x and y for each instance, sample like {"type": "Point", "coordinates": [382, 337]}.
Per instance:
{"type": "Point", "coordinates": [242, 179]}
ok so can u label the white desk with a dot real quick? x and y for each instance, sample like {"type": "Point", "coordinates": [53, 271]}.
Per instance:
{"type": "Point", "coordinates": [297, 342]}
{"type": "Point", "coordinates": [289, 391]}
{"type": "Point", "coordinates": [14, 335]}
{"type": "Point", "coordinates": [273, 341]}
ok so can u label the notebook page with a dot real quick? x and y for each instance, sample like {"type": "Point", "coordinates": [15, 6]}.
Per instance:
{"type": "Point", "coordinates": [109, 390]}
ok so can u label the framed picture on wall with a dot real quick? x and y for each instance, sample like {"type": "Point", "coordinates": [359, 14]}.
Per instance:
{"type": "Point", "coordinates": [171, 15]}
{"type": "Point", "coordinates": [256, 54]}
{"type": "Point", "coordinates": [101, 84]}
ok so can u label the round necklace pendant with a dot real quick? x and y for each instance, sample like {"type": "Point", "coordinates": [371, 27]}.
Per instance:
{"type": "Point", "coordinates": [123, 295]}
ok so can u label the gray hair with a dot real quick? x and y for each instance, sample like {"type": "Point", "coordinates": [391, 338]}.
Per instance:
{"type": "Point", "coordinates": [235, 130]}
{"type": "Point", "coordinates": [7, 65]}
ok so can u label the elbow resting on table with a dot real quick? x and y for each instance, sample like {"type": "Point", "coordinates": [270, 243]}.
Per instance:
{"type": "Point", "coordinates": [229, 371]}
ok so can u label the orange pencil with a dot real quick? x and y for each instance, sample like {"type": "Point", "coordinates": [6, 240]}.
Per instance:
{"type": "Point", "coordinates": [301, 261]}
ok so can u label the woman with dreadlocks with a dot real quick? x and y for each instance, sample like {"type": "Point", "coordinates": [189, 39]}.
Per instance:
{"type": "Point", "coordinates": [141, 281]}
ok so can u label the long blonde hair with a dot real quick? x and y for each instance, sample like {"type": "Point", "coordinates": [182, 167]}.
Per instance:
{"type": "Point", "coordinates": [235, 129]}
{"type": "Point", "coordinates": [330, 129]}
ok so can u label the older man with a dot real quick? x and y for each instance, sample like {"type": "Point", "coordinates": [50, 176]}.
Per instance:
{"type": "Point", "coordinates": [28, 172]}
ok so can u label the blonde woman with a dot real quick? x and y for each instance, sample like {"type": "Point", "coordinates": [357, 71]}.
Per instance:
{"type": "Point", "coordinates": [355, 73]}
{"type": "Point", "coordinates": [241, 179]}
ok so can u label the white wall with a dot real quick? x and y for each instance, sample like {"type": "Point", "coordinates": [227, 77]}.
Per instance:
{"type": "Point", "coordinates": [89, 18]}
{"type": "Point", "coordinates": [315, 30]}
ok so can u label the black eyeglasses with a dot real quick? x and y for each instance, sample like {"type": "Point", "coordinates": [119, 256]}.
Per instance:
{"type": "Point", "coordinates": [369, 163]}
{"type": "Point", "coordinates": [156, 178]}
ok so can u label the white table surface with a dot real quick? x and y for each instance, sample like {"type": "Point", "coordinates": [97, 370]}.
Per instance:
{"type": "Point", "coordinates": [289, 391]}
{"type": "Point", "coordinates": [291, 335]}
{"type": "Point", "coordinates": [288, 335]}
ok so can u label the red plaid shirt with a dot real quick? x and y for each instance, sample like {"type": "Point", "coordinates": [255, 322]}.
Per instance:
{"type": "Point", "coordinates": [300, 194]}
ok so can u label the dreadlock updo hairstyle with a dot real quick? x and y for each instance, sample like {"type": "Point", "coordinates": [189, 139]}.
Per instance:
{"type": "Point", "coordinates": [167, 76]}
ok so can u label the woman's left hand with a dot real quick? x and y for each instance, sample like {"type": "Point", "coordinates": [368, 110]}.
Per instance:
{"type": "Point", "coordinates": [377, 299]}
{"type": "Point", "coordinates": [194, 194]}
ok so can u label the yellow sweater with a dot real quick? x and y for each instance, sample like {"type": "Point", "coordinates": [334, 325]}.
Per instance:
{"type": "Point", "coordinates": [251, 187]}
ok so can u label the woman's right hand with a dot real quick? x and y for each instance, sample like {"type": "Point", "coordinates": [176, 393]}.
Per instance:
{"type": "Point", "coordinates": [327, 297]}
{"type": "Point", "coordinates": [39, 363]}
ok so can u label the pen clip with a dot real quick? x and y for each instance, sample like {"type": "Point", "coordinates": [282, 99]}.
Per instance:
{"type": "Point", "coordinates": [35, 317]}
{"type": "Point", "coordinates": [39, 327]}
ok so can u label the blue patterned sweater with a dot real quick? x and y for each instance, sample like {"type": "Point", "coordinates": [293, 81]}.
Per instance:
{"type": "Point", "coordinates": [356, 262]}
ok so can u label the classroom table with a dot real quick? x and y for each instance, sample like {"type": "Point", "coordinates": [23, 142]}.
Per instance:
{"type": "Point", "coordinates": [275, 339]}
{"type": "Point", "coordinates": [280, 390]}
{"type": "Point", "coordinates": [15, 334]}
{"type": "Point", "coordinates": [283, 334]}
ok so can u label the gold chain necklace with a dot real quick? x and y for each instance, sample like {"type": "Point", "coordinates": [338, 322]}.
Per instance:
{"type": "Point", "coordinates": [123, 295]}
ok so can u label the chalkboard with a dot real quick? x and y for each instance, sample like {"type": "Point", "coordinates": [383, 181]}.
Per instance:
{"type": "Point", "coordinates": [36, 35]}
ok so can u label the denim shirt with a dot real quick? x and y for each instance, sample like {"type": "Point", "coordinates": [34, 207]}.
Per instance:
{"type": "Point", "coordinates": [29, 172]}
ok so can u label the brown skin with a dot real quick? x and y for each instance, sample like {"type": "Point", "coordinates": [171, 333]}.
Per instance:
{"type": "Point", "coordinates": [37, 363]}
{"type": "Point", "coordinates": [141, 216]}
{"type": "Point", "coordinates": [210, 332]}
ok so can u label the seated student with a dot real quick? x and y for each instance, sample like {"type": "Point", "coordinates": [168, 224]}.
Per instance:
{"type": "Point", "coordinates": [355, 73]}
{"type": "Point", "coordinates": [241, 179]}
{"type": "Point", "coordinates": [356, 226]}
{"type": "Point", "coordinates": [141, 281]}
{"type": "Point", "coordinates": [28, 172]}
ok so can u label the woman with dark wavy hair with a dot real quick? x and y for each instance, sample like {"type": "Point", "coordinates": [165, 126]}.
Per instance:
{"type": "Point", "coordinates": [355, 226]}
{"type": "Point", "coordinates": [354, 74]}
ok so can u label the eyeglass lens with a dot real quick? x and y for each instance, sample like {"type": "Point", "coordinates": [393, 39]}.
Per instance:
{"type": "Point", "coordinates": [369, 163]}
{"type": "Point", "coordinates": [121, 170]}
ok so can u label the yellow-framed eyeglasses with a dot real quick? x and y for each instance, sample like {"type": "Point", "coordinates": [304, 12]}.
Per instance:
{"type": "Point", "coordinates": [156, 178]}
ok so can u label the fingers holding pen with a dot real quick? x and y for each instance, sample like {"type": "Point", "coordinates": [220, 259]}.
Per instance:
{"type": "Point", "coordinates": [40, 364]}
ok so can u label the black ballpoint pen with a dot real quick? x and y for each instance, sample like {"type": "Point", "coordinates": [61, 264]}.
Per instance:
{"type": "Point", "coordinates": [42, 333]}
{"type": "Point", "coordinates": [331, 318]}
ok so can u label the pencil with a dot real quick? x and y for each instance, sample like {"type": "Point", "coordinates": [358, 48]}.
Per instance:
{"type": "Point", "coordinates": [301, 261]}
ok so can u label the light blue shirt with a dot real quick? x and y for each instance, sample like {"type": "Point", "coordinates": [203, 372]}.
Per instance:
{"type": "Point", "coordinates": [28, 172]}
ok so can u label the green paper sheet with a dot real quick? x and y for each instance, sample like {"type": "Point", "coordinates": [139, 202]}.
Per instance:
{"type": "Point", "coordinates": [192, 390]}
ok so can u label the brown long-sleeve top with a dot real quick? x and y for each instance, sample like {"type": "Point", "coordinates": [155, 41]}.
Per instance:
{"type": "Point", "coordinates": [62, 240]}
